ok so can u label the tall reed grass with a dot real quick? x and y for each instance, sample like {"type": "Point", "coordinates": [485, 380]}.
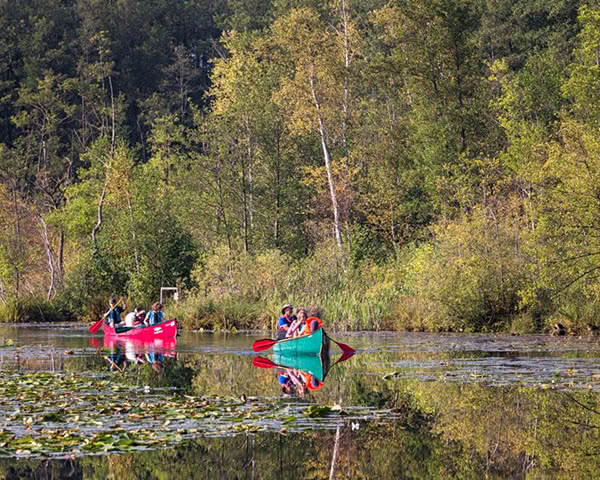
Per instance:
{"type": "Point", "coordinates": [32, 310]}
{"type": "Point", "coordinates": [248, 292]}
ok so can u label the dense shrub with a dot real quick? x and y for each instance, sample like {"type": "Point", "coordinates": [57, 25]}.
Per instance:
{"type": "Point", "coordinates": [470, 276]}
{"type": "Point", "coordinates": [33, 309]}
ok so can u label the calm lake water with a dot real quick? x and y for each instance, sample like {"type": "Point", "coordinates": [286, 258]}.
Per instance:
{"type": "Point", "coordinates": [406, 405]}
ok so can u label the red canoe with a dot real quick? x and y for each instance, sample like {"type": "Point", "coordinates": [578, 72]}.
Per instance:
{"type": "Point", "coordinates": [166, 329]}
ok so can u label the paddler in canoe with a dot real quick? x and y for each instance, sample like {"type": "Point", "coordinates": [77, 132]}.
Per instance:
{"type": "Point", "coordinates": [301, 326]}
{"type": "Point", "coordinates": [297, 326]}
{"type": "Point", "coordinates": [135, 318]}
{"type": "Point", "coordinates": [155, 315]}
{"type": "Point", "coordinates": [113, 316]}
{"type": "Point", "coordinates": [311, 341]}
{"type": "Point", "coordinates": [285, 321]}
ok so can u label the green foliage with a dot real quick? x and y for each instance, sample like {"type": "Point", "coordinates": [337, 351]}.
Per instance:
{"type": "Point", "coordinates": [33, 310]}
{"type": "Point", "coordinates": [249, 276]}
{"type": "Point", "coordinates": [471, 275]}
{"type": "Point", "coordinates": [141, 147]}
{"type": "Point", "coordinates": [583, 86]}
{"type": "Point", "coordinates": [89, 285]}
{"type": "Point", "coordinates": [164, 251]}
{"type": "Point", "coordinates": [516, 29]}
{"type": "Point", "coordinates": [566, 216]}
{"type": "Point", "coordinates": [248, 290]}
{"type": "Point", "coordinates": [532, 96]}
{"type": "Point", "coordinates": [225, 313]}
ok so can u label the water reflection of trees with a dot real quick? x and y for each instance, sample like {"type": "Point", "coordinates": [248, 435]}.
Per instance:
{"type": "Point", "coordinates": [442, 431]}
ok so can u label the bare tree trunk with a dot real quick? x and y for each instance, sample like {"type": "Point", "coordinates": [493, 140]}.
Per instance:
{"type": "Point", "coordinates": [345, 106]}
{"type": "Point", "coordinates": [18, 249]}
{"type": "Point", "coordinates": [327, 158]}
{"type": "Point", "coordinates": [221, 214]}
{"type": "Point", "coordinates": [245, 206]}
{"type": "Point", "coordinates": [250, 180]}
{"type": "Point", "coordinates": [112, 117]}
{"type": "Point", "coordinates": [50, 255]}
{"type": "Point", "coordinates": [96, 228]}
{"type": "Point", "coordinates": [61, 255]}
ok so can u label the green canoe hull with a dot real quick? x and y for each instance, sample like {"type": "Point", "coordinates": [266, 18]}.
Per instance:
{"type": "Point", "coordinates": [314, 344]}
{"type": "Point", "coordinates": [312, 364]}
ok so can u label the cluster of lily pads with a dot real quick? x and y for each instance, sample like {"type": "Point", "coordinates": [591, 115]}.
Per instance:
{"type": "Point", "coordinates": [556, 373]}
{"type": "Point", "coordinates": [71, 414]}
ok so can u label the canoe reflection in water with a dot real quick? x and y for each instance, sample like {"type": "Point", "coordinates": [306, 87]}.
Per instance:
{"type": "Point", "coordinates": [125, 352]}
{"type": "Point", "coordinates": [298, 373]}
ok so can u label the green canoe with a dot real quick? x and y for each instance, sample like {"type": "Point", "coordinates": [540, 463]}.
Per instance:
{"type": "Point", "coordinates": [314, 344]}
{"type": "Point", "coordinates": [316, 365]}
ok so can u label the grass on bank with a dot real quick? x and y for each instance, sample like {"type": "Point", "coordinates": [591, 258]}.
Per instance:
{"type": "Point", "coordinates": [32, 310]}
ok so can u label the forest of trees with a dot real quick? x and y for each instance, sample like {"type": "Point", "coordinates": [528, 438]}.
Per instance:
{"type": "Point", "coordinates": [407, 164]}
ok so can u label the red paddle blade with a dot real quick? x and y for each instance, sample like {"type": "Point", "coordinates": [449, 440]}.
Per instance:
{"type": "Point", "coordinates": [345, 356]}
{"type": "Point", "coordinates": [263, 344]}
{"type": "Point", "coordinates": [263, 362]}
{"type": "Point", "coordinates": [345, 348]}
{"type": "Point", "coordinates": [96, 326]}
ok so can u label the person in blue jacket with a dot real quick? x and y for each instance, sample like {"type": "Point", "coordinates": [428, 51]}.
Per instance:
{"type": "Point", "coordinates": [155, 315]}
{"type": "Point", "coordinates": [285, 321]}
{"type": "Point", "coordinates": [113, 316]}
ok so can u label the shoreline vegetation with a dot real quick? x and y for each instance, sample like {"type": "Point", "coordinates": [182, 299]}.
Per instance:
{"type": "Point", "coordinates": [366, 296]}
{"type": "Point", "coordinates": [328, 154]}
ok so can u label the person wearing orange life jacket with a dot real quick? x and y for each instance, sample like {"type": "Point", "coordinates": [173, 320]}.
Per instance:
{"type": "Point", "coordinates": [312, 325]}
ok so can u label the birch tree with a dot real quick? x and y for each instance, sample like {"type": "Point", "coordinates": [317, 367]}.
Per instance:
{"type": "Point", "coordinates": [315, 89]}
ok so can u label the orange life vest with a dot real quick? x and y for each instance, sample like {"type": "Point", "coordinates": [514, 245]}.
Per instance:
{"type": "Point", "coordinates": [307, 330]}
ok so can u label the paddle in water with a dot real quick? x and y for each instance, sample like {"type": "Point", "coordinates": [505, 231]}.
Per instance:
{"type": "Point", "coordinates": [263, 344]}
{"type": "Point", "coordinates": [345, 348]}
{"type": "Point", "coordinates": [96, 326]}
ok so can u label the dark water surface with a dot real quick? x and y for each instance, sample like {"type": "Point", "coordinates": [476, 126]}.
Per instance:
{"type": "Point", "coordinates": [407, 405]}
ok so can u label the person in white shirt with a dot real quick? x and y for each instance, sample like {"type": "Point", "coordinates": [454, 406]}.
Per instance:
{"type": "Point", "coordinates": [131, 317]}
